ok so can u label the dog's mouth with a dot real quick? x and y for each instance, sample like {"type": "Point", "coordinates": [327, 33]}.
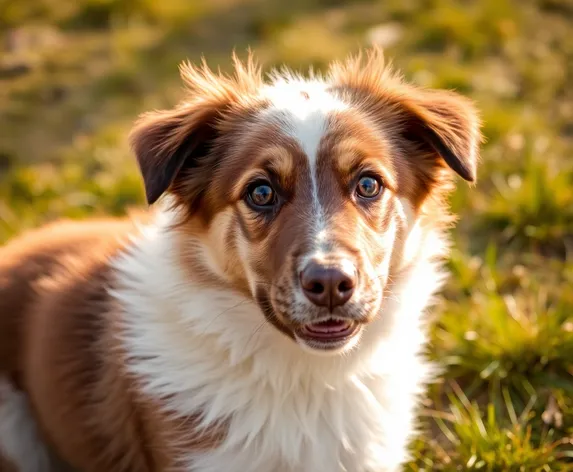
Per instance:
{"type": "Point", "coordinates": [329, 333]}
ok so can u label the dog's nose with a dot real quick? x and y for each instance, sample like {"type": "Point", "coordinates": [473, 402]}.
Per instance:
{"type": "Point", "coordinates": [327, 286]}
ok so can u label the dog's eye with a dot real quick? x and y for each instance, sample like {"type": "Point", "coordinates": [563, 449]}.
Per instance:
{"type": "Point", "coordinates": [261, 195]}
{"type": "Point", "coordinates": [368, 187]}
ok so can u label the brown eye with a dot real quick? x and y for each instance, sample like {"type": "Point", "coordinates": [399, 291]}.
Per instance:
{"type": "Point", "coordinates": [261, 194]}
{"type": "Point", "coordinates": [368, 187]}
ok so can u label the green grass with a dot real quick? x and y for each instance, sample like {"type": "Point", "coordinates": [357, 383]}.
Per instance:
{"type": "Point", "coordinates": [74, 75]}
{"type": "Point", "coordinates": [477, 439]}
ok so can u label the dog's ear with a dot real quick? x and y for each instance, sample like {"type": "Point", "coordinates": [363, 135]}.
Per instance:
{"type": "Point", "coordinates": [443, 123]}
{"type": "Point", "coordinates": [447, 123]}
{"type": "Point", "coordinates": [165, 141]}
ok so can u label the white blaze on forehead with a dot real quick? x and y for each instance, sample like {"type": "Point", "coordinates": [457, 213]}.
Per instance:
{"type": "Point", "coordinates": [304, 107]}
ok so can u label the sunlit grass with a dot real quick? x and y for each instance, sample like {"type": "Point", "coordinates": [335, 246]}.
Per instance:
{"type": "Point", "coordinates": [474, 437]}
{"type": "Point", "coordinates": [533, 204]}
{"type": "Point", "coordinates": [509, 330]}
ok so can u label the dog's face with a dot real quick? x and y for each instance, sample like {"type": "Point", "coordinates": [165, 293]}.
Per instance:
{"type": "Point", "coordinates": [304, 192]}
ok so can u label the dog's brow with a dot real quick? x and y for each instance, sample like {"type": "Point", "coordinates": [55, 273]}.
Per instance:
{"type": "Point", "coordinates": [275, 159]}
{"type": "Point", "coordinates": [279, 159]}
{"type": "Point", "coordinates": [350, 155]}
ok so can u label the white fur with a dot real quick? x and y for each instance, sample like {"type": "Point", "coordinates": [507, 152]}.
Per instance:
{"type": "Point", "coordinates": [287, 410]}
{"type": "Point", "coordinates": [304, 107]}
{"type": "Point", "coordinates": [19, 439]}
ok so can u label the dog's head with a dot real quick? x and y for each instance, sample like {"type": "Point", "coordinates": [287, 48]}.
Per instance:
{"type": "Point", "coordinates": [303, 191]}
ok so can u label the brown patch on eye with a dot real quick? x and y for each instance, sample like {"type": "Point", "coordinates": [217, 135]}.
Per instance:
{"type": "Point", "coordinates": [275, 162]}
{"type": "Point", "coordinates": [305, 95]}
{"type": "Point", "coordinates": [348, 154]}
{"type": "Point", "coordinates": [266, 153]}
{"type": "Point", "coordinates": [280, 160]}
{"type": "Point", "coordinates": [353, 145]}
{"type": "Point", "coordinates": [254, 147]}
{"type": "Point", "coordinates": [357, 143]}
{"type": "Point", "coordinates": [251, 149]}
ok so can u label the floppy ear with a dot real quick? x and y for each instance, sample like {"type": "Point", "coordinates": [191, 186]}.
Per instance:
{"type": "Point", "coordinates": [446, 122]}
{"type": "Point", "coordinates": [166, 141]}
{"type": "Point", "coordinates": [442, 122]}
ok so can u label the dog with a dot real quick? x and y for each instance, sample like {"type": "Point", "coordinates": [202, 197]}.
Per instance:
{"type": "Point", "coordinates": [268, 313]}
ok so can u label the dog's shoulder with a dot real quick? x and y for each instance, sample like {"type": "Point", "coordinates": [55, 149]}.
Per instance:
{"type": "Point", "coordinates": [57, 337]}
{"type": "Point", "coordinates": [31, 264]}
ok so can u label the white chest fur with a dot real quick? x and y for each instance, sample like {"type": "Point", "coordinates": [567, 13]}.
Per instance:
{"type": "Point", "coordinates": [286, 410]}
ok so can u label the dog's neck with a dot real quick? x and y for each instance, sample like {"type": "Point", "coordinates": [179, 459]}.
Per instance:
{"type": "Point", "coordinates": [207, 352]}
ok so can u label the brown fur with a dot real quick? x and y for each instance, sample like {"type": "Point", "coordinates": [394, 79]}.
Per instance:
{"type": "Point", "coordinates": [53, 285]}
{"type": "Point", "coordinates": [34, 258]}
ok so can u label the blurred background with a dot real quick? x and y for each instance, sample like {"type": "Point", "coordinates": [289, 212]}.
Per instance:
{"type": "Point", "coordinates": [74, 74]}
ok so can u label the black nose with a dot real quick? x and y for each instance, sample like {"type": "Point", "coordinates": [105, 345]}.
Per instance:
{"type": "Point", "coordinates": [326, 285]}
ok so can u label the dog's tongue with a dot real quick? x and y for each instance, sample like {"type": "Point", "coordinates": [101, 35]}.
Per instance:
{"type": "Point", "coordinates": [329, 326]}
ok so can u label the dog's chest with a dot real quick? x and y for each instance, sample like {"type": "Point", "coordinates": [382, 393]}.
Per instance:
{"type": "Point", "coordinates": [309, 429]}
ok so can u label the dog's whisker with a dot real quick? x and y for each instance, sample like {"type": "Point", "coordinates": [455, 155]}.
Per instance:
{"type": "Point", "coordinates": [242, 302]}
{"type": "Point", "coordinates": [255, 331]}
